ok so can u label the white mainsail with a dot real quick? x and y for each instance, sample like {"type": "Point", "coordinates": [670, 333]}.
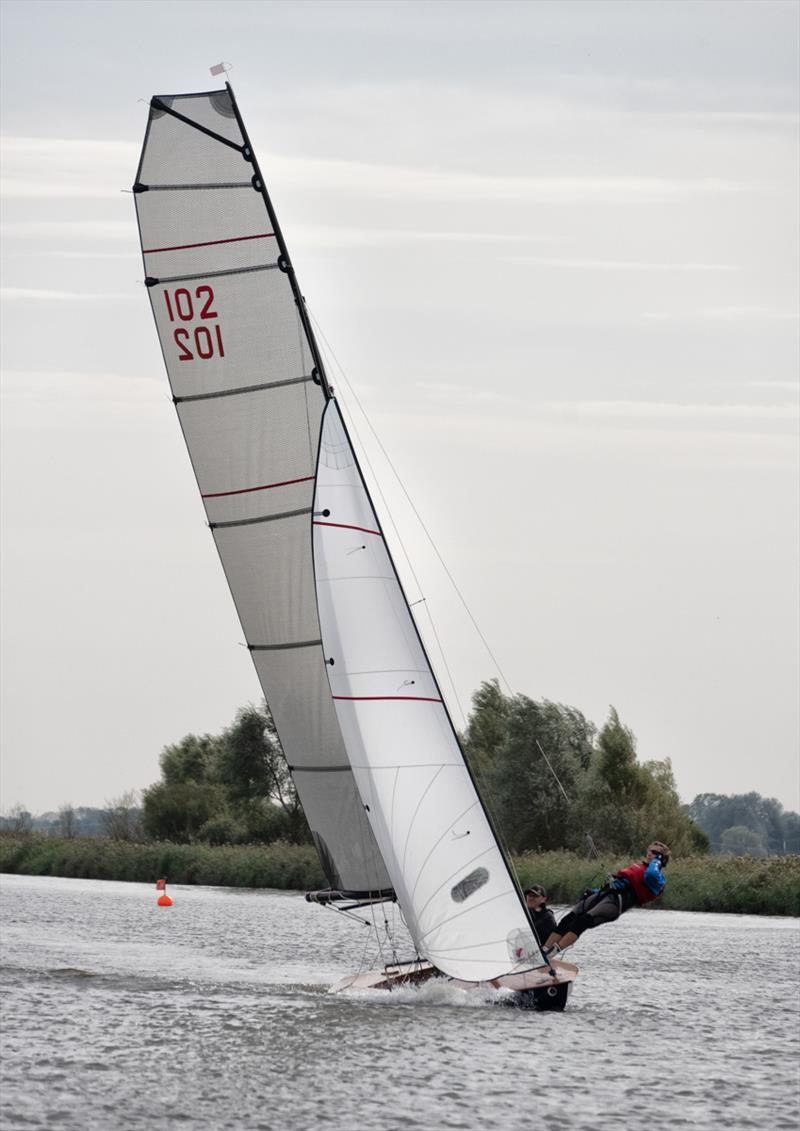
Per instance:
{"type": "Point", "coordinates": [250, 390]}
{"type": "Point", "coordinates": [459, 901]}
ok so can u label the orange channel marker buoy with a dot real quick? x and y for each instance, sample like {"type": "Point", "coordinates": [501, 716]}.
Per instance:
{"type": "Point", "coordinates": [163, 900]}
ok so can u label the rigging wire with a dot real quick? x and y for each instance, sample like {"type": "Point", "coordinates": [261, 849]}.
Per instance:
{"type": "Point", "coordinates": [485, 787]}
{"type": "Point", "coordinates": [428, 534]}
{"type": "Point", "coordinates": [484, 784]}
{"type": "Point", "coordinates": [588, 836]}
{"type": "Point", "coordinates": [552, 771]}
{"type": "Point", "coordinates": [388, 515]}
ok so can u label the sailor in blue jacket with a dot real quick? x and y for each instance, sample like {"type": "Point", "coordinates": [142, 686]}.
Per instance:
{"type": "Point", "coordinates": [634, 886]}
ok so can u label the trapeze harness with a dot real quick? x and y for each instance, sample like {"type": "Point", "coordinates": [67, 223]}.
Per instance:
{"type": "Point", "coordinates": [629, 888]}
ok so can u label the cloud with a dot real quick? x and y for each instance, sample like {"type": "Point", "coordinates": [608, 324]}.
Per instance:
{"type": "Point", "coordinates": [67, 401]}
{"type": "Point", "coordinates": [93, 169]}
{"type": "Point", "coordinates": [383, 180]}
{"type": "Point", "coordinates": [725, 314]}
{"type": "Point", "coordinates": [621, 265]}
{"type": "Point", "coordinates": [103, 230]}
{"type": "Point", "coordinates": [26, 294]}
{"type": "Point", "coordinates": [329, 237]}
{"type": "Point", "coordinates": [39, 168]}
{"type": "Point", "coordinates": [667, 410]}
{"type": "Point", "coordinates": [47, 188]}
{"type": "Point", "coordinates": [634, 418]}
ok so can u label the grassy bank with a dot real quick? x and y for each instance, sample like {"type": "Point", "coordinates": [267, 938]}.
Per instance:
{"type": "Point", "coordinates": [745, 885]}
{"type": "Point", "coordinates": [292, 867]}
{"type": "Point", "coordinates": [754, 886]}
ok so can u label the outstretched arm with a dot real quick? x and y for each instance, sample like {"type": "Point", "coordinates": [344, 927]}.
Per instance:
{"type": "Point", "coordinates": [654, 877]}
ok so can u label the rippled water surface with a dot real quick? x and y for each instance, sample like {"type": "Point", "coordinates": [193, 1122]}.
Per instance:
{"type": "Point", "coordinates": [214, 1014]}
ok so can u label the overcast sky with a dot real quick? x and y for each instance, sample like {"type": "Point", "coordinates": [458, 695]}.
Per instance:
{"type": "Point", "coordinates": [554, 247]}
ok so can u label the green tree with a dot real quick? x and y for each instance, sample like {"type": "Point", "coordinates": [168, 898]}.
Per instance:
{"type": "Point", "coordinates": [662, 817]}
{"type": "Point", "coordinates": [624, 804]}
{"type": "Point", "coordinates": [790, 830]}
{"type": "Point", "coordinates": [765, 816]}
{"type": "Point", "coordinates": [67, 821]}
{"type": "Point", "coordinates": [534, 770]}
{"type": "Point", "coordinates": [191, 759]}
{"type": "Point", "coordinates": [18, 820]}
{"type": "Point", "coordinates": [251, 765]}
{"type": "Point", "coordinates": [487, 727]}
{"type": "Point", "coordinates": [122, 817]}
{"type": "Point", "coordinates": [178, 810]}
{"type": "Point", "coordinates": [739, 840]}
{"type": "Point", "coordinates": [614, 790]}
{"type": "Point", "coordinates": [228, 788]}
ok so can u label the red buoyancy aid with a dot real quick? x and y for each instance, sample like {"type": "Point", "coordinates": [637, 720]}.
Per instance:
{"type": "Point", "coordinates": [635, 877]}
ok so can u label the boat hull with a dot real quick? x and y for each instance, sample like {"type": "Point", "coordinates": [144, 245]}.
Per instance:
{"type": "Point", "coordinates": [530, 989]}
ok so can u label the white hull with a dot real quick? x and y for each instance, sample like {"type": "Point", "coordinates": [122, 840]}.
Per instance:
{"type": "Point", "coordinates": [537, 988]}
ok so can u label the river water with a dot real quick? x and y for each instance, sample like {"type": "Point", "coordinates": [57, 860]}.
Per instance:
{"type": "Point", "coordinates": [214, 1014]}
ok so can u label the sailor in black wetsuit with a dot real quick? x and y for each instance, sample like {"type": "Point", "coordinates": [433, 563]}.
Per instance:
{"type": "Point", "coordinates": [638, 884]}
{"type": "Point", "coordinates": [542, 918]}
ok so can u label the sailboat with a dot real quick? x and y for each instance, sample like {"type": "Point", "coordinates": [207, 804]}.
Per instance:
{"type": "Point", "coordinates": [393, 808]}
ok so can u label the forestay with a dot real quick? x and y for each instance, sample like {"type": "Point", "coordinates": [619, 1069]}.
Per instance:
{"type": "Point", "coordinates": [462, 907]}
{"type": "Point", "coordinates": [246, 382]}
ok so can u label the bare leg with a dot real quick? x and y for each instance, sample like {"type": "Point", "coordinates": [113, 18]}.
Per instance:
{"type": "Point", "coordinates": [567, 940]}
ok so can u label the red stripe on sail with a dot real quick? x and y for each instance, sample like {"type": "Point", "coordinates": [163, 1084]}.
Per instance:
{"type": "Point", "coordinates": [247, 490]}
{"type": "Point", "coordinates": [346, 526]}
{"type": "Point", "coordinates": [208, 243]}
{"type": "Point", "coordinates": [392, 698]}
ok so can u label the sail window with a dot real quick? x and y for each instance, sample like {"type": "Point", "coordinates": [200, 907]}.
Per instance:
{"type": "Point", "coordinates": [469, 885]}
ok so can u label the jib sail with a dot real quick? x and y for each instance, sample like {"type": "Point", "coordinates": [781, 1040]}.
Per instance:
{"type": "Point", "coordinates": [459, 900]}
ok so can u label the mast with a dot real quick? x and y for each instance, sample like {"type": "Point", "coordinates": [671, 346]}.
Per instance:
{"type": "Point", "coordinates": [284, 260]}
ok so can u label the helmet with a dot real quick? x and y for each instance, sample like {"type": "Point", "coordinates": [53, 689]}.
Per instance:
{"type": "Point", "coordinates": [660, 850]}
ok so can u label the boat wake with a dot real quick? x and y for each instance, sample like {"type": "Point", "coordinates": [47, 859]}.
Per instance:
{"type": "Point", "coordinates": [436, 992]}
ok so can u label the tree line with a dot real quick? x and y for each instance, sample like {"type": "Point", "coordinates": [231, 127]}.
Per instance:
{"type": "Point", "coordinates": [746, 824]}
{"type": "Point", "coordinates": [553, 781]}
{"type": "Point", "coordinates": [550, 778]}
{"type": "Point", "coordinates": [119, 819]}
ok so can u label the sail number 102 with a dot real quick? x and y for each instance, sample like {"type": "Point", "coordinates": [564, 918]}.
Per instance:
{"type": "Point", "coordinates": [194, 342]}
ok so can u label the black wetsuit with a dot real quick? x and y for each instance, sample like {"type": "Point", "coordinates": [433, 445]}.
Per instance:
{"type": "Point", "coordinates": [544, 922]}
{"type": "Point", "coordinates": [596, 908]}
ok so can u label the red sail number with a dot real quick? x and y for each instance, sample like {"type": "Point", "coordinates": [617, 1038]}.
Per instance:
{"type": "Point", "coordinates": [205, 345]}
{"type": "Point", "coordinates": [198, 343]}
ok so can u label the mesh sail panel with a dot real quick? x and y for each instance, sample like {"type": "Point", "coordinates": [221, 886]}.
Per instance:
{"type": "Point", "coordinates": [241, 370]}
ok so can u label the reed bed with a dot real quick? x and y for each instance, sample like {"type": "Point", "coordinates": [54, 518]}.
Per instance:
{"type": "Point", "coordinates": [278, 865]}
{"type": "Point", "coordinates": [744, 885]}
{"type": "Point", "coordinates": [737, 885]}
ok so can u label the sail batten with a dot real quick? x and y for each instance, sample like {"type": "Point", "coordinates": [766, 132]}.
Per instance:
{"type": "Point", "coordinates": [249, 390]}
